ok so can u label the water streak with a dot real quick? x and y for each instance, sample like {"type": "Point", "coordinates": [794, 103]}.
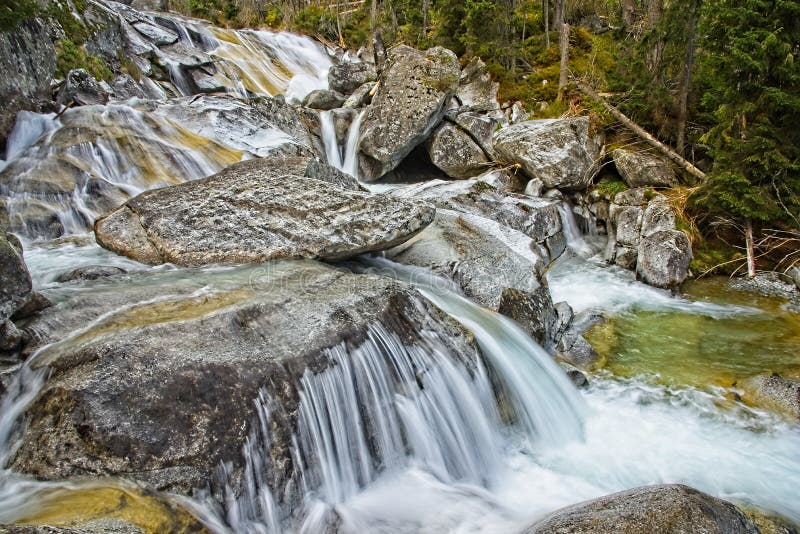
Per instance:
{"type": "Point", "coordinates": [343, 157]}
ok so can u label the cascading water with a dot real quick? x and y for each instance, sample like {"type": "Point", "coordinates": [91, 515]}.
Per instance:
{"type": "Point", "coordinates": [344, 158]}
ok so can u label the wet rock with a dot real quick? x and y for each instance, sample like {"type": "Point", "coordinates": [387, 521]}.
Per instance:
{"type": "Point", "coordinates": [413, 92]}
{"type": "Point", "coordinates": [504, 180]}
{"type": "Point", "coordinates": [256, 211]}
{"type": "Point", "coordinates": [92, 272]}
{"type": "Point", "coordinates": [643, 169]}
{"type": "Point", "coordinates": [666, 508]}
{"type": "Point", "coordinates": [193, 364]}
{"type": "Point", "coordinates": [347, 77]}
{"type": "Point", "coordinates": [204, 80]}
{"type": "Point", "coordinates": [361, 97]}
{"type": "Point", "coordinates": [578, 378]}
{"type": "Point", "coordinates": [480, 255]}
{"type": "Point", "coordinates": [125, 87]}
{"type": "Point", "coordinates": [532, 310]}
{"type": "Point", "coordinates": [28, 52]}
{"type": "Point", "coordinates": [626, 257]}
{"type": "Point", "coordinates": [455, 153]}
{"type": "Point", "coordinates": [81, 89]}
{"type": "Point", "coordinates": [320, 170]}
{"type": "Point", "coordinates": [35, 303]}
{"type": "Point", "coordinates": [664, 258]}
{"type": "Point", "coordinates": [158, 35]}
{"type": "Point", "coordinates": [538, 218]}
{"type": "Point", "coordinates": [16, 282]}
{"type": "Point", "coordinates": [559, 152]}
{"type": "Point", "coordinates": [10, 337]}
{"type": "Point", "coordinates": [476, 89]}
{"type": "Point", "coordinates": [534, 187]}
{"type": "Point", "coordinates": [572, 347]}
{"type": "Point", "coordinates": [794, 276]}
{"type": "Point", "coordinates": [323, 99]}
{"type": "Point", "coordinates": [775, 392]}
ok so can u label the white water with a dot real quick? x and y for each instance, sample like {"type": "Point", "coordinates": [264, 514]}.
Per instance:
{"type": "Point", "coordinates": [582, 279]}
{"type": "Point", "coordinates": [343, 157]}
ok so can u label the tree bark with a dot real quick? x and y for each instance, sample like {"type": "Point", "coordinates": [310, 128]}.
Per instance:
{"type": "Point", "coordinates": [425, 9]}
{"type": "Point", "coordinates": [642, 133]}
{"type": "Point", "coordinates": [546, 9]}
{"type": "Point", "coordinates": [686, 81]}
{"type": "Point", "coordinates": [751, 258]}
{"type": "Point", "coordinates": [563, 74]}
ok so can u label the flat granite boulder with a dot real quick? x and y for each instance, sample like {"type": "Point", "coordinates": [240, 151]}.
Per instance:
{"type": "Point", "coordinates": [256, 211]}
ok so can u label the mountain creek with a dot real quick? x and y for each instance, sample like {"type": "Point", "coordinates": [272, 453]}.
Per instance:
{"type": "Point", "coordinates": [272, 286]}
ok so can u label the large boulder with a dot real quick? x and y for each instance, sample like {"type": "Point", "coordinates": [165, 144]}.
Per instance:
{"type": "Point", "coordinates": [664, 258]}
{"type": "Point", "coordinates": [562, 153]}
{"type": "Point", "coordinates": [537, 218]}
{"type": "Point", "coordinates": [347, 77]}
{"type": "Point", "coordinates": [413, 93]}
{"type": "Point", "coordinates": [257, 211]}
{"type": "Point", "coordinates": [455, 152]}
{"type": "Point", "coordinates": [674, 509]}
{"type": "Point", "coordinates": [16, 285]}
{"type": "Point", "coordinates": [643, 169]}
{"type": "Point", "coordinates": [162, 390]}
{"type": "Point", "coordinates": [476, 89]}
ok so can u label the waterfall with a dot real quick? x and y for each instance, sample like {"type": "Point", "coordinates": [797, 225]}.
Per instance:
{"type": "Point", "coordinates": [387, 405]}
{"type": "Point", "coordinates": [344, 158]}
{"type": "Point", "coordinates": [545, 403]}
{"type": "Point", "coordinates": [572, 232]}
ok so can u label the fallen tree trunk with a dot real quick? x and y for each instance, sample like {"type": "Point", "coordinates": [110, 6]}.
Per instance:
{"type": "Point", "coordinates": [642, 133]}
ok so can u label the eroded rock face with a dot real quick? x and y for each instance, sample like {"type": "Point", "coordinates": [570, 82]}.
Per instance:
{"type": "Point", "coordinates": [257, 211]}
{"type": "Point", "coordinates": [454, 152]}
{"type": "Point", "coordinates": [643, 169]}
{"type": "Point", "coordinates": [663, 259]}
{"type": "Point", "coordinates": [413, 92]}
{"type": "Point", "coordinates": [668, 508]}
{"type": "Point", "coordinates": [15, 282]}
{"type": "Point", "coordinates": [480, 255]}
{"type": "Point", "coordinates": [559, 152]}
{"type": "Point", "coordinates": [162, 390]}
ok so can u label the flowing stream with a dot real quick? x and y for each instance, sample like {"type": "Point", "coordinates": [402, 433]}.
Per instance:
{"type": "Point", "coordinates": [396, 436]}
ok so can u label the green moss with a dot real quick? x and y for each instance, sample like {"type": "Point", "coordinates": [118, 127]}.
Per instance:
{"type": "Point", "coordinates": [715, 258]}
{"type": "Point", "coordinates": [13, 12]}
{"type": "Point", "coordinates": [71, 56]}
{"type": "Point", "coordinates": [610, 188]}
{"type": "Point", "coordinates": [74, 30]}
